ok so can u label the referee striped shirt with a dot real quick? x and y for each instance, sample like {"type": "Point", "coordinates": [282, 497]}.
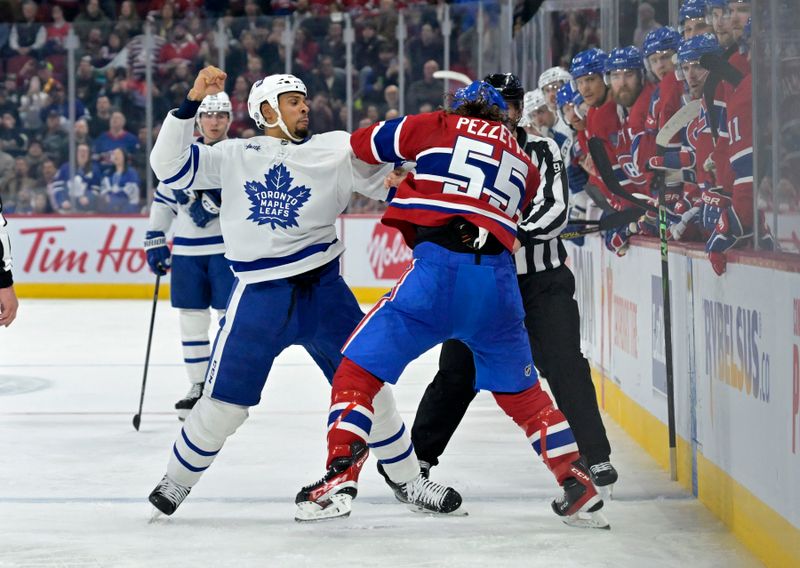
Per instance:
{"type": "Point", "coordinates": [546, 216]}
{"type": "Point", "coordinates": [5, 253]}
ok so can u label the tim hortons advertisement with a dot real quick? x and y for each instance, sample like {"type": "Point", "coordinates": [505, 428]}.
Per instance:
{"type": "Point", "coordinates": [79, 249]}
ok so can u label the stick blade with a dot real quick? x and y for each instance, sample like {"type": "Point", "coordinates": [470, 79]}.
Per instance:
{"type": "Point", "coordinates": [137, 419]}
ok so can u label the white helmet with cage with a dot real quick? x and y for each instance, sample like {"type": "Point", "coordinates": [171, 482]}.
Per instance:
{"type": "Point", "coordinates": [532, 100]}
{"type": "Point", "coordinates": [214, 103]}
{"type": "Point", "coordinates": [553, 75]}
{"type": "Point", "coordinates": [268, 90]}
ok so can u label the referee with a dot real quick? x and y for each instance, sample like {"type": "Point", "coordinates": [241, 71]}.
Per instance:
{"type": "Point", "coordinates": [8, 299]}
{"type": "Point", "coordinates": [551, 317]}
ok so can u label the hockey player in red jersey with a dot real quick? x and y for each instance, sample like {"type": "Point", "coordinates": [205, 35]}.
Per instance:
{"type": "Point", "coordinates": [730, 205]}
{"type": "Point", "coordinates": [695, 158]}
{"type": "Point", "coordinates": [632, 93]}
{"type": "Point", "coordinates": [458, 212]}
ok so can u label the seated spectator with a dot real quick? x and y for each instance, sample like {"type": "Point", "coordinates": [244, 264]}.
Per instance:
{"type": "Point", "coordinates": [12, 139]}
{"type": "Point", "coordinates": [99, 122]}
{"type": "Point", "coordinates": [86, 84]}
{"type": "Point", "coordinates": [80, 193]}
{"type": "Point", "coordinates": [329, 80]}
{"type": "Point", "coordinates": [246, 47]}
{"type": "Point", "coordinates": [128, 22]}
{"type": "Point", "coordinates": [180, 49]}
{"type": "Point", "coordinates": [34, 200]}
{"type": "Point", "coordinates": [31, 105]}
{"type": "Point", "coordinates": [35, 157]}
{"type": "Point", "coordinates": [54, 138]}
{"type": "Point", "coordinates": [5, 104]}
{"type": "Point", "coordinates": [253, 20]}
{"type": "Point", "coordinates": [240, 117]}
{"type": "Point", "coordinates": [164, 21]}
{"type": "Point", "coordinates": [59, 103]}
{"type": "Point", "coordinates": [255, 69]}
{"type": "Point", "coordinates": [91, 18]}
{"type": "Point", "coordinates": [333, 45]}
{"type": "Point", "coordinates": [305, 53]}
{"type": "Point", "coordinates": [423, 48]}
{"type": "Point", "coordinates": [391, 114]}
{"type": "Point", "coordinates": [81, 129]}
{"type": "Point", "coordinates": [112, 52]}
{"type": "Point", "coordinates": [387, 72]}
{"type": "Point", "coordinates": [322, 117]}
{"type": "Point", "coordinates": [115, 137]}
{"type": "Point", "coordinates": [119, 191]}
{"type": "Point", "coordinates": [27, 37]}
{"type": "Point", "coordinates": [57, 31]}
{"type": "Point", "coordinates": [16, 182]}
{"type": "Point", "coordinates": [92, 47]}
{"type": "Point", "coordinates": [6, 164]}
{"type": "Point", "coordinates": [426, 90]}
{"type": "Point", "coordinates": [391, 99]}
{"type": "Point", "coordinates": [367, 46]}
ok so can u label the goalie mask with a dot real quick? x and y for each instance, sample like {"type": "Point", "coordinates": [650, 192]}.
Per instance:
{"type": "Point", "coordinates": [268, 90]}
{"type": "Point", "coordinates": [214, 103]}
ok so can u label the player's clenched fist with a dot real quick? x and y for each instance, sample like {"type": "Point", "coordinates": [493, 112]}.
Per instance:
{"type": "Point", "coordinates": [210, 81]}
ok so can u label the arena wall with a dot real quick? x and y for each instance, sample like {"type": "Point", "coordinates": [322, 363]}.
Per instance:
{"type": "Point", "coordinates": [736, 347]}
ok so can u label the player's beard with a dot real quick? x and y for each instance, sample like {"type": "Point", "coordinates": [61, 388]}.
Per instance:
{"type": "Point", "coordinates": [301, 131]}
{"type": "Point", "coordinates": [625, 96]}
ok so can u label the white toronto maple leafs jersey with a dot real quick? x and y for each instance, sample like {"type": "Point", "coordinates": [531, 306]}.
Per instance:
{"type": "Point", "coordinates": [279, 200]}
{"type": "Point", "coordinates": [188, 239]}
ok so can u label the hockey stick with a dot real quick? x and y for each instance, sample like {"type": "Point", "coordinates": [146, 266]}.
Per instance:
{"type": "Point", "coordinates": [137, 419]}
{"type": "Point", "coordinates": [452, 76]}
{"type": "Point", "coordinates": [599, 199]}
{"type": "Point", "coordinates": [606, 171]}
{"type": "Point", "coordinates": [611, 221]}
{"type": "Point", "coordinates": [719, 69]}
{"type": "Point", "coordinates": [677, 122]}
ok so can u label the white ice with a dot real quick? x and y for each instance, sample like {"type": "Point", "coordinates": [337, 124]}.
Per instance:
{"type": "Point", "coordinates": [74, 475]}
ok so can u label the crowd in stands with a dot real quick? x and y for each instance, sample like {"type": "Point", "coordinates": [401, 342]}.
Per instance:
{"type": "Point", "coordinates": [111, 91]}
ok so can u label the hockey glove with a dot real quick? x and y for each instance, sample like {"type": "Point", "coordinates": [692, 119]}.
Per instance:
{"type": "Point", "coordinates": [577, 178]}
{"type": "Point", "coordinates": [203, 210]}
{"type": "Point", "coordinates": [719, 262]}
{"type": "Point", "coordinates": [714, 203]}
{"type": "Point", "coordinates": [678, 161]}
{"type": "Point", "coordinates": [617, 240]}
{"type": "Point", "coordinates": [182, 197]}
{"type": "Point", "coordinates": [158, 253]}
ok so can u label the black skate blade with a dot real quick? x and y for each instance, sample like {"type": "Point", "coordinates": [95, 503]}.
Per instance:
{"type": "Point", "coordinates": [460, 512]}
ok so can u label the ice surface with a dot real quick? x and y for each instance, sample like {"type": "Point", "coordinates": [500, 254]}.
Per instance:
{"type": "Point", "coordinates": [74, 475]}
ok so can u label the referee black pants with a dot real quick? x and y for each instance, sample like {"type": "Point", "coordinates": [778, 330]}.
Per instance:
{"type": "Point", "coordinates": [553, 322]}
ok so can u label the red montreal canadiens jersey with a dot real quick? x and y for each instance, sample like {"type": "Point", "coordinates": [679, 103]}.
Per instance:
{"type": "Point", "coordinates": [603, 122]}
{"type": "Point", "coordinates": [665, 102]}
{"type": "Point", "coordinates": [635, 146]}
{"type": "Point", "coordinates": [466, 167]}
{"type": "Point", "coordinates": [734, 155]}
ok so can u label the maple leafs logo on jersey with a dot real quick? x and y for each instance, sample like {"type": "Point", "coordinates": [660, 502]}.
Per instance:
{"type": "Point", "coordinates": [276, 202]}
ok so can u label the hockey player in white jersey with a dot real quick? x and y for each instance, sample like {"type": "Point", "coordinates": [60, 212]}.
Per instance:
{"type": "Point", "coordinates": [201, 277]}
{"type": "Point", "coordinates": [281, 194]}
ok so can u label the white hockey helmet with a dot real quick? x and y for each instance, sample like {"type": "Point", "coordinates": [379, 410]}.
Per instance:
{"type": "Point", "coordinates": [269, 89]}
{"type": "Point", "coordinates": [215, 103]}
{"type": "Point", "coordinates": [532, 100]}
{"type": "Point", "coordinates": [552, 75]}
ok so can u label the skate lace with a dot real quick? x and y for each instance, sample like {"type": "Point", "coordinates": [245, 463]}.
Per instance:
{"type": "Point", "coordinates": [172, 491]}
{"type": "Point", "coordinates": [600, 467]}
{"type": "Point", "coordinates": [424, 491]}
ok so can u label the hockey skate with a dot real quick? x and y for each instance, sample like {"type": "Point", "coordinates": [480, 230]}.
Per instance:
{"type": "Point", "coordinates": [580, 504]}
{"type": "Point", "coordinates": [397, 488]}
{"type": "Point", "coordinates": [426, 496]}
{"type": "Point", "coordinates": [604, 476]}
{"type": "Point", "coordinates": [167, 496]}
{"type": "Point", "coordinates": [184, 406]}
{"type": "Point", "coordinates": [332, 496]}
